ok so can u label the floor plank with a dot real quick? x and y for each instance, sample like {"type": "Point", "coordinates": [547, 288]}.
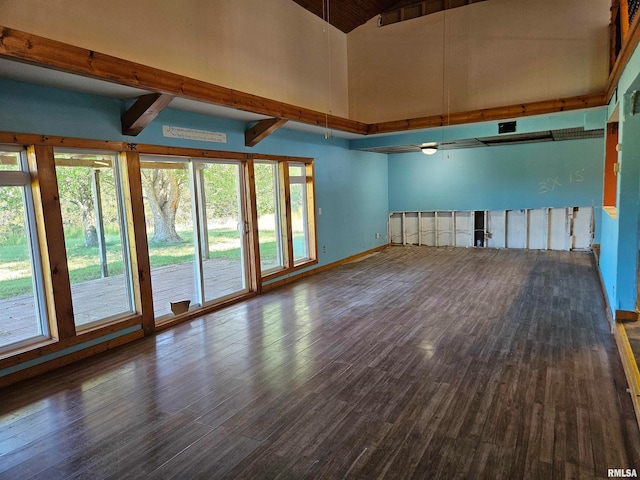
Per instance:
{"type": "Point", "coordinates": [415, 362]}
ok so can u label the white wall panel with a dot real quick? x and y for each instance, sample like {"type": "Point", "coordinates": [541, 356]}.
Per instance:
{"type": "Point", "coordinates": [395, 227]}
{"type": "Point", "coordinates": [445, 229]}
{"type": "Point", "coordinates": [582, 228]}
{"type": "Point", "coordinates": [464, 229]}
{"type": "Point", "coordinates": [411, 233]}
{"type": "Point", "coordinates": [534, 229]}
{"type": "Point", "coordinates": [558, 229]}
{"type": "Point", "coordinates": [516, 228]}
{"type": "Point", "coordinates": [537, 229]}
{"type": "Point", "coordinates": [428, 228]}
{"type": "Point", "coordinates": [496, 233]}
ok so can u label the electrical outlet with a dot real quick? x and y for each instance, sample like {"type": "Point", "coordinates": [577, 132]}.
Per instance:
{"type": "Point", "coordinates": [324, 249]}
{"type": "Point", "coordinates": [377, 236]}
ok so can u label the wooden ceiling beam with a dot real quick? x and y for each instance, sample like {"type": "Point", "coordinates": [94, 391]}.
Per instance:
{"type": "Point", "coordinates": [40, 51]}
{"type": "Point", "coordinates": [261, 130]}
{"type": "Point", "coordinates": [491, 114]}
{"type": "Point", "coordinates": [143, 111]}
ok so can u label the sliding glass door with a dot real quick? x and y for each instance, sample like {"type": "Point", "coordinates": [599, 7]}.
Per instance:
{"type": "Point", "coordinates": [222, 229]}
{"type": "Point", "coordinates": [195, 227]}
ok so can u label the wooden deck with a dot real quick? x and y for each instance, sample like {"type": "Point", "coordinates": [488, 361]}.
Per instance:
{"type": "Point", "coordinates": [104, 297]}
{"type": "Point", "coordinates": [413, 363]}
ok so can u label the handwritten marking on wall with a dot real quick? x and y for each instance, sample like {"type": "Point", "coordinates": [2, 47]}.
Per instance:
{"type": "Point", "coordinates": [552, 183]}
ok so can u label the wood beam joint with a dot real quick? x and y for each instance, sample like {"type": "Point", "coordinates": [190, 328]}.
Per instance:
{"type": "Point", "coordinates": [143, 111]}
{"type": "Point", "coordinates": [261, 130]}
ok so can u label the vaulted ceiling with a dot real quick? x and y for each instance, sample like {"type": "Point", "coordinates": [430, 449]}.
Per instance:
{"type": "Point", "coordinates": [349, 14]}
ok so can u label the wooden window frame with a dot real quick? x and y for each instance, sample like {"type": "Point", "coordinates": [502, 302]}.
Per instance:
{"type": "Point", "coordinates": [118, 173]}
{"type": "Point", "coordinates": [50, 238]}
{"type": "Point", "coordinates": [20, 178]}
{"type": "Point", "coordinates": [289, 264]}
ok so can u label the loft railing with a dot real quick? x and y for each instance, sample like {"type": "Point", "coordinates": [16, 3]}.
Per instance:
{"type": "Point", "coordinates": [623, 14]}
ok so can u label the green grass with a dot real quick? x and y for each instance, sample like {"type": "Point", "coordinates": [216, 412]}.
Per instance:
{"type": "Point", "coordinates": [84, 263]}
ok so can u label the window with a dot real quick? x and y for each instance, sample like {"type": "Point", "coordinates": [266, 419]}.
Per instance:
{"type": "Point", "coordinates": [269, 217]}
{"type": "Point", "coordinates": [299, 212]}
{"type": "Point", "coordinates": [24, 312]}
{"type": "Point", "coordinates": [96, 245]}
{"type": "Point", "coordinates": [286, 215]}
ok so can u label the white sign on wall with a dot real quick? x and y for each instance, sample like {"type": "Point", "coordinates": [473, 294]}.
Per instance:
{"type": "Point", "coordinates": [192, 134]}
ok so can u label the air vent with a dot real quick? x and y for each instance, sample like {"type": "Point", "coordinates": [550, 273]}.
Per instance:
{"type": "Point", "coordinates": [507, 127]}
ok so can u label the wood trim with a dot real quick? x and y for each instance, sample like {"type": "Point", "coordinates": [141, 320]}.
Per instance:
{"type": "Point", "coordinates": [628, 47]}
{"type": "Point", "coordinates": [613, 33]}
{"type": "Point", "coordinates": [280, 272]}
{"type": "Point", "coordinates": [201, 311]}
{"type": "Point", "coordinates": [489, 114]}
{"type": "Point", "coordinates": [603, 290]}
{"type": "Point", "coordinates": [302, 265]}
{"type": "Point", "coordinates": [27, 139]}
{"type": "Point", "coordinates": [312, 223]}
{"type": "Point", "coordinates": [611, 211]}
{"type": "Point", "coordinates": [629, 365]}
{"type": "Point", "coordinates": [187, 152]}
{"type": "Point", "coordinates": [261, 130]}
{"type": "Point", "coordinates": [624, 19]}
{"type": "Point", "coordinates": [143, 111]}
{"type": "Point", "coordinates": [57, 284]}
{"type": "Point", "coordinates": [69, 358]}
{"type": "Point", "coordinates": [308, 273]}
{"type": "Point", "coordinates": [280, 158]}
{"type": "Point", "coordinates": [137, 234]}
{"type": "Point", "coordinates": [40, 51]}
{"type": "Point", "coordinates": [253, 240]}
{"type": "Point", "coordinates": [30, 352]}
{"type": "Point", "coordinates": [37, 50]}
{"type": "Point", "coordinates": [626, 316]}
{"type": "Point", "coordinates": [285, 215]}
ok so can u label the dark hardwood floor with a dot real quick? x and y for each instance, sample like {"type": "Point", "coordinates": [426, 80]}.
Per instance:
{"type": "Point", "coordinates": [415, 362]}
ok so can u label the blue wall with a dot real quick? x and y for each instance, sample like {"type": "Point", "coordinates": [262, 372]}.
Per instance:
{"type": "Point", "coordinates": [552, 174]}
{"type": "Point", "coordinates": [620, 242]}
{"type": "Point", "coordinates": [351, 186]}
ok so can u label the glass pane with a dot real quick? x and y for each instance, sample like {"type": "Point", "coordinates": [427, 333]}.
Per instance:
{"type": "Point", "coordinates": [296, 170]}
{"type": "Point", "coordinates": [223, 250]}
{"type": "Point", "coordinates": [91, 215]}
{"type": "Point", "coordinates": [19, 320]}
{"type": "Point", "coordinates": [266, 175]}
{"type": "Point", "coordinates": [9, 161]}
{"type": "Point", "coordinates": [168, 213]}
{"type": "Point", "coordinates": [299, 223]}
